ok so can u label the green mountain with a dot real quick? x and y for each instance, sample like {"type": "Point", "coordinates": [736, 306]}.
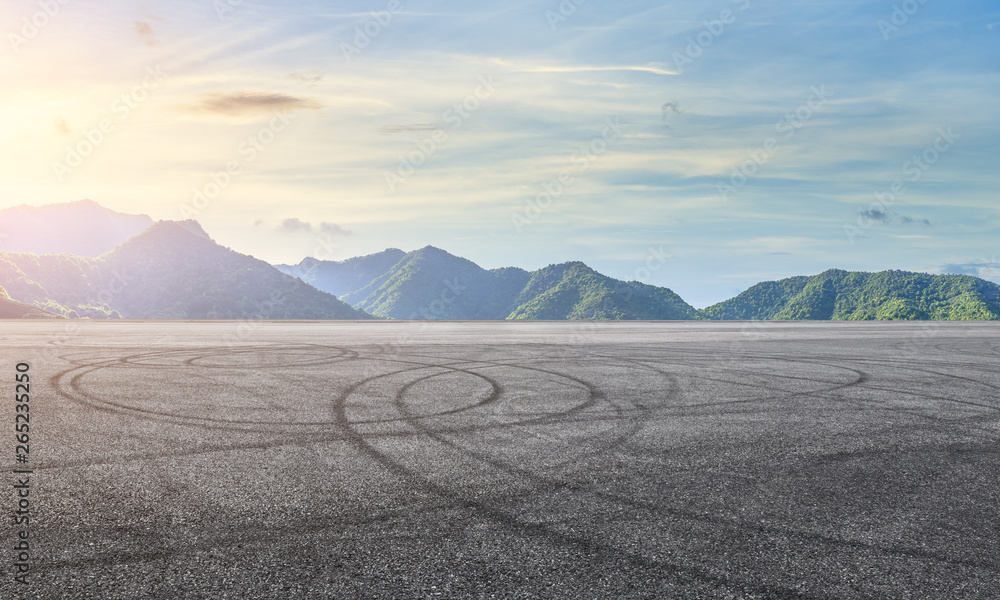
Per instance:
{"type": "Point", "coordinates": [575, 291]}
{"type": "Point", "coordinates": [346, 276]}
{"type": "Point", "coordinates": [9, 309]}
{"type": "Point", "coordinates": [82, 260]}
{"type": "Point", "coordinates": [432, 284]}
{"type": "Point", "coordinates": [888, 296]}
{"type": "Point", "coordinates": [169, 271]}
{"type": "Point", "coordinates": [60, 283]}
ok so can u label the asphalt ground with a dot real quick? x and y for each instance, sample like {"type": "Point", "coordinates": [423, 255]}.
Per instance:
{"type": "Point", "coordinates": [505, 460]}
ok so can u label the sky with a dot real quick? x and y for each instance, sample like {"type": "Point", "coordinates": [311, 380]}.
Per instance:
{"type": "Point", "coordinates": [701, 146]}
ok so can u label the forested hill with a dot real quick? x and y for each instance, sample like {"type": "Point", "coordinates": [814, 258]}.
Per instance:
{"type": "Point", "coordinates": [9, 309]}
{"type": "Point", "coordinates": [345, 276]}
{"type": "Point", "coordinates": [575, 291]}
{"type": "Point", "coordinates": [432, 284]}
{"type": "Point", "coordinates": [887, 295]}
{"type": "Point", "coordinates": [174, 270]}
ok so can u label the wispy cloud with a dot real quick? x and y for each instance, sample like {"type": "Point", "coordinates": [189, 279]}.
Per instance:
{"type": "Point", "coordinates": [875, 214]}
{"type": "Point", "coordinates": [986, 269]}
{"type": "Point", "coordinates": [307, 79]}
{"type": "Point", "coordinates": [392, 129]}
{"type": "Point", "coordinates": [888, 217]}
{"type": "Point", "coordinates": [334, 229]}
{"type": "Point", "coordinates": [671, 107]}
{"type": "Point", "coordinates": [296, 226]}
{"type": "Point", "coordinates": [774, 245]}
{"type": "Point", "coordinates": [529, 67]}
{"type": "Point", "coordinates": [145, 31]}
{"type": "Point", "coordinates": [243, 104]}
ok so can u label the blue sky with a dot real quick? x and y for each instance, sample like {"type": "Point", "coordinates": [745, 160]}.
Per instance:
{"type": "Point", "coordinates": [487, 105]}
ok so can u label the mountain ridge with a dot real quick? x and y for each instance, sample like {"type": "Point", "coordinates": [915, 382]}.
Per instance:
{"type": "Point", "coordinates": [836, 294]}
{"type": "Point", "coordinates": [430, 283]}
{"type": "Point", "coordinates": [11, 309]}
{"type": "Point", "coordinates": [342, 277]}
{"type": "Point", "coordinates": [573, 290]}
{"type": "Point", "coordinates": [576, 290]}
{"type": "Point", "coordinates": [171, 270]}
{"type": "Point", "coordinates": [174, 269]}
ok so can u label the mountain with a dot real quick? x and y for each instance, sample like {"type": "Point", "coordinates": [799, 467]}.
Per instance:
{"type": "Point", "coordinates": [575, 291]}
{"type": "Point", "coordinates": [432, 284]}
{"type": "Point", "coordinates": [59, 283]}
{"type": "Point", "coordinates": [193, 227]}
{"type": "Point", "coordinates": [83, 228]}
{"type": "Point", "coordinates": [9, 309]}
{"type": "Point", "coordinates": [171, 270]}
{"type": "Point", "coordinates": [843, 295]}
{"type": "Point", "coordinates": [344, 277]}
{"type": "Point", "coordinates": [81, 260]}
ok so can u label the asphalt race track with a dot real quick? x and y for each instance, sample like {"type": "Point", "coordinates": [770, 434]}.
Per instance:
{"type": "Point", "coordinates": [506, 460]}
